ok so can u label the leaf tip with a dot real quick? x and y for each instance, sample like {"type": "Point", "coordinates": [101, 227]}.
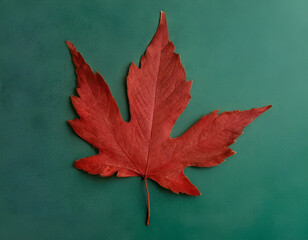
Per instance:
{"type": "Point", "coordinates": [262, 110]}
{"type": "Point", "coordinates": [215, 112]}
{"type": "Point", "coordinates": [72, 122]}
{"type": "Point", "coordinates": [197, 193]}
{"type": "Point", "coordinates": [266, 108]}
{"type": "Point", "coordinates": [162, 17]}
{"type": "Point", "coordinates": [194, 192]}
{"type": "Point", "coordinates": [70, 45]}
{"type": "Point", "coordinates": [77, 164]}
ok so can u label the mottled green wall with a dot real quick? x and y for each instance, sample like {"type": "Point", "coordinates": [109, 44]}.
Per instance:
{"type": "Point", "coordinates": [239, 53]}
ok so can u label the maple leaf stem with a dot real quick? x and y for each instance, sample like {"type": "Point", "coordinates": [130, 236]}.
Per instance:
{"type": "Point", "coordinates": [148, 195]}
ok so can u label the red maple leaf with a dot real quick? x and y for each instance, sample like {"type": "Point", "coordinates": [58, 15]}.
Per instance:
{"type": "Point", "coordinates": [158, 93]}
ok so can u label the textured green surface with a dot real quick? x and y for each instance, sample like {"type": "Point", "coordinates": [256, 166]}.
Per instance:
{"type": "Point", "coordinates": [240, 54]}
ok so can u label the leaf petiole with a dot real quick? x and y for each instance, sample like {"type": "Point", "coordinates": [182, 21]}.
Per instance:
{"type": "Point", "coordinates": [148, 195]}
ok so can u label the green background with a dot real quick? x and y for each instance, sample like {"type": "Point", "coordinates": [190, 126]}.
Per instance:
{"type": "Point", "coordinates": [239, 53]}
